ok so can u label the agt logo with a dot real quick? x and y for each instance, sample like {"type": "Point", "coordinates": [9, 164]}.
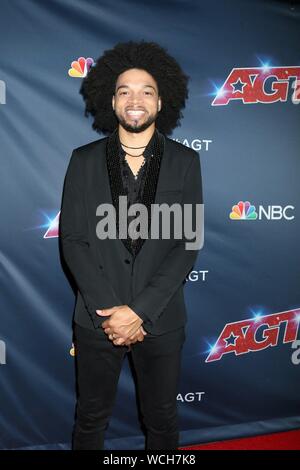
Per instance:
{"type": "Point", "coordinates": [197, 275]}
{"type": "Point", "coordinates": [255, 334]}
{"type": "Point", "coordinates": [195, 144]}
{"type": "Point", "coordinates": [191, 396]}
{"type": "Point", "coordinates": [246, 211]}
{"type": "Point", "coordinates": [53, 227]}
{"type": "Point", "coordinates": [259, 85]}
{"type": "Point", "coordinates": [80, 67]}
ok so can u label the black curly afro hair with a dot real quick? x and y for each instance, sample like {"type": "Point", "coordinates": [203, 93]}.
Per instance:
{"type": "Point", "coordinates": [98, 87]}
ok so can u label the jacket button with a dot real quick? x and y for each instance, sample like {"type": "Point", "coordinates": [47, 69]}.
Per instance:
{"type": "Point", "coordinates": [127, 261]}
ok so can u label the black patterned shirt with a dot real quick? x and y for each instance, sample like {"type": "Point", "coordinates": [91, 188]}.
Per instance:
{"type": "Point", "coordinates": [134, 185]}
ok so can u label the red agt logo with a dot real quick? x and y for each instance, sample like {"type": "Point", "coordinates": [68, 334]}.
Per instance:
{"type": "Point", "coordinates": [249, 85]}
{"type": "Point", "coordinates": [255, 334]}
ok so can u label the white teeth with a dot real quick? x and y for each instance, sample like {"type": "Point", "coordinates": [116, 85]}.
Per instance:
{"type": "Point", "coordinates": [135, 113]}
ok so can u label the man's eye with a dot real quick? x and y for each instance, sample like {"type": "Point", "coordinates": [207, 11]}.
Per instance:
{"type": "Point", "coordinates": [123, 92]}
{"type": "Point", "coordinates": [148, 92]}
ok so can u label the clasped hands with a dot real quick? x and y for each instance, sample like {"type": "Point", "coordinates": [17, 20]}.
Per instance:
{"type": "Point", "coordinates": [124, 326]}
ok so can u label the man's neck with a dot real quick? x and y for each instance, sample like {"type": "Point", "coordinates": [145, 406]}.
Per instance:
{"type": "Point", "coordinates": [133, 139]}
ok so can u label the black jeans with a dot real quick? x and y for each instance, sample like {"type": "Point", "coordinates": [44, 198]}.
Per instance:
{"type": "Point", "coordinates": [156, 362]}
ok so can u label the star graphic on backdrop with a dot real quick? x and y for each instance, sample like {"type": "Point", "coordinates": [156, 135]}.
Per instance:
{"type": "Point", "coordinates": [238, 85]}
{"type": "Point", "coordinates": [230, 340]}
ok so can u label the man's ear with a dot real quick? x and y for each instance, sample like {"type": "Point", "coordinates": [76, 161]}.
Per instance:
{"type": "Point", "coordinates": [159, 105]}
{"type": "Point", "coordinates": [113, 102]}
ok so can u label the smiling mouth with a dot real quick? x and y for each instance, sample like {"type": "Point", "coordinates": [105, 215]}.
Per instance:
{"type": "Point", "coordinates": [135, 113]}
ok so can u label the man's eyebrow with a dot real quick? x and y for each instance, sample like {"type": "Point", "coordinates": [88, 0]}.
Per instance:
{"type": "Point", "coordinates": [126, 86]}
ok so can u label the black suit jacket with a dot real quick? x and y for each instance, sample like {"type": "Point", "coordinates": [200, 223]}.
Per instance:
{"type": "Point", "coordinates": [104, 270]}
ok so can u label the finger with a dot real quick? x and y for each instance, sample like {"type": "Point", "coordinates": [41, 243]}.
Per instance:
{"type": "Point", "coordinates": [113, 335]}
{"type": "Point", "coordinates": [140, 337]}
{"type": "Point", "coordinates": [104, 313]}
{"type": "Point", "coordinates": [119, 341]}
{"type": "Point", "coordinates": [133, 339]}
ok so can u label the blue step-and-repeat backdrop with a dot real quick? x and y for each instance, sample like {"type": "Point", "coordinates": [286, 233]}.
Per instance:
{"type": "Point", "coordinates": [241, 358]}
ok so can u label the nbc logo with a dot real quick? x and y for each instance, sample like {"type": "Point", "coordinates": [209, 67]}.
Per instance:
{"type": "Point", "coordinates": [243, 211]}
{"type": "Point", "coordinates": [246, 211]}
{"type": "Point", "coordinates": [80, 67]}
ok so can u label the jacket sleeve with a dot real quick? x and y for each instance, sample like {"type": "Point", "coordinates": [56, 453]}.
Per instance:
{"type": "Point", "coordinates": [94, 287]}
{"type": "Point", "coordinates": [150, 303]}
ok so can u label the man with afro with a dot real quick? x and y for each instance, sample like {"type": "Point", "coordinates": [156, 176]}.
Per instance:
{"type": "Point", "coordinates": [129, 288]}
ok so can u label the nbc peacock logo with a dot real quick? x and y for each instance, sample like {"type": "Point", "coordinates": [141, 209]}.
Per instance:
{"type": "Point", "coordinates": [80, 67]}
{"type": "Point", "coordinates": [243, 211]}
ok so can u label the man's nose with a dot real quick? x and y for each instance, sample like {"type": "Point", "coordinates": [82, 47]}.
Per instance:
{"type": "Point", "coordinates": [135, 99]}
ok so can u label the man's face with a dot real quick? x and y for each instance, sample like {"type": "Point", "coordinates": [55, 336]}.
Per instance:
{"type": "Point", "coordinates": [136, 101]}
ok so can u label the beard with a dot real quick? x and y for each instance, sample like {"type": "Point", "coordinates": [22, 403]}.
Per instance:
{"type": "Point", "coordinates": [134, 126]}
